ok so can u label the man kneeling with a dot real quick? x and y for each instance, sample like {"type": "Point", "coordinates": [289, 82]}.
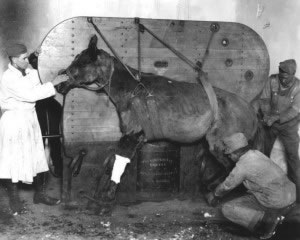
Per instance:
{"type": "Point", "coordinates": [270, 193]}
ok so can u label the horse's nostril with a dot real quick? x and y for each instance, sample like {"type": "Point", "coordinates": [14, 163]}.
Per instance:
{"type": "Point", "coordinates": [59, 87]}
{"type": "Point", "coordinates": [62, 88]}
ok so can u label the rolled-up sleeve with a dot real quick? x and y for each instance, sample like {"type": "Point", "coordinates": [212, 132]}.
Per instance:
{"type": "Point", "coordinates": [235, 178]}
{"type": "Point", "coordinates": [293, 111]}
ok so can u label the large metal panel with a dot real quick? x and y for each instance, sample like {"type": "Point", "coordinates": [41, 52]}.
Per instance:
{"type": "Point", "coordinates": [234, 51]}
{"type": "Point", "coordinates": [237, 60]}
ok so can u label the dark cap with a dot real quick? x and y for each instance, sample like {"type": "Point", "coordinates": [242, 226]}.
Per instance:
{"type": "Point", "coordinates": [234, 142]}
{"type": "Point", "coordinates": [288, 66]}
{"type": "Point", "coordinates": [15, 50]}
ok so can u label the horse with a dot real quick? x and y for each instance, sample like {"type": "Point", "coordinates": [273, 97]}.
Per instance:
{"type": "Point", "coordinates": [159, 108]}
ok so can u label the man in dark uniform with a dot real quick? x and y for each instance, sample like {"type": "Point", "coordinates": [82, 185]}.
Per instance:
{"type": "Point", "coordinates": [279, 103]}
{"type": "Point", "coordinates": [270, 194]}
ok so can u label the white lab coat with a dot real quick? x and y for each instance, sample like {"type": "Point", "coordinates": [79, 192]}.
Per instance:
{"type": "Point", "coordinates": [22, 154]}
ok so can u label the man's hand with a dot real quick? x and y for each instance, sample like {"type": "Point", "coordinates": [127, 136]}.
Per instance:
{"type": "Point", "coordinates": [270, 119]}
{"type": "Point", "coordinates": [212, 199]}
{"type": "Point", "coordinates": [38, 51]}
{"type": "Point", "coordinates": [60, 78]}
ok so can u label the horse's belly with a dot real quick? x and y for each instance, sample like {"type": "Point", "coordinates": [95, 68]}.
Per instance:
{"type": "Point", "coordinates": [186, 128]}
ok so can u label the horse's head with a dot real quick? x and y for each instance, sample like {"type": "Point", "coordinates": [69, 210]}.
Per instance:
{"type": "Point", "coordinates": [92, 65]}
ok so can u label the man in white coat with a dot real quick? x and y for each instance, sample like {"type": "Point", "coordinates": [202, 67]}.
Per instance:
{"type": "Point", "coordinates": [22, 155]}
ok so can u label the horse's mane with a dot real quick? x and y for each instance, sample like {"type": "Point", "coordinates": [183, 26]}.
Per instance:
{"type": "Point", "coordinates": [118, 65]}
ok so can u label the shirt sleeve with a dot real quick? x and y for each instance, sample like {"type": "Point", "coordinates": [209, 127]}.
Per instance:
{"type": "Point", "coordinates": [292, 111]}
{"type": "Point", "coordinates": [235, 178]}
{"type": "Point", "coordinates": [29, 89]}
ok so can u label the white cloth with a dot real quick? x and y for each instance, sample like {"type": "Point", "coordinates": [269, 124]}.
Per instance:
{"type": "Point", "coordinates": [119, 168]}
{"type": "Point", "coordinates": [22, 154]}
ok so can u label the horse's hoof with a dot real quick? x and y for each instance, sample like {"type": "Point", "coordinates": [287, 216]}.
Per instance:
{"type": "Point", "coordinates": [106, 211]}
{"type": "Point", "coordinates": [110, 195]}
{"type": "Point", "coordinates": [105, 208]}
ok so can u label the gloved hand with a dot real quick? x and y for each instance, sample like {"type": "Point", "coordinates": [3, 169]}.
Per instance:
{"type": "Point", "coordinates": [212, 199]}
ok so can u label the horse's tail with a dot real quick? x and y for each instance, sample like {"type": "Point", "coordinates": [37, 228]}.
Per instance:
{"type": "Point", "coordinates": [258, 141]}
{"type": "Point", "coordinates": [261, 140]}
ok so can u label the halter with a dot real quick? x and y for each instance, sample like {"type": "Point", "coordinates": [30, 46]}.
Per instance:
{"type": "Point", "coordinates": [100, 86]}
{"type": "Point", "coordinates": [136, 77]}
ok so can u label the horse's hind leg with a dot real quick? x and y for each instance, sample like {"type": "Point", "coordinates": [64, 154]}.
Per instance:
{"type": "Point", "coordinates": [125, 151]}
{"type": "Point", "coordinates": [216, 149]}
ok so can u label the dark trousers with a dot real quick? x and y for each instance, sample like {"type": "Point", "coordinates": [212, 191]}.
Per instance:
{"type": "Point", "coordinates": [55, 154]}
{"type": "Point", "coordinates": [288, 134]}
{"type": "Point", "coordinates": [248, 212]}
{"type": "Point", "coordinates": [49, 113]}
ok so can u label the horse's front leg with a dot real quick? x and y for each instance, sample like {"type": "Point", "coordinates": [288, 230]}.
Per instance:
{"type": "Point", "coordinates": [125, 151]}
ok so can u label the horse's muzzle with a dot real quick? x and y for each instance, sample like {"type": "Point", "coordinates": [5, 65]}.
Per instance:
{"type": "Point", "coordinates": [62, 88]}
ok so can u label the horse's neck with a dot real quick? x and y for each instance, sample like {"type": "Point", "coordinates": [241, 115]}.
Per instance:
{"type": "Point", "coordinates": [121, 87]}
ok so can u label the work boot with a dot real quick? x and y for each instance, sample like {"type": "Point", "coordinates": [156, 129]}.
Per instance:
{"type": "Point", "coordinates": [15, 203]}
{"type": "Point", "coordinates": [267, 227]}
{"type": "Point", "coordinates": [40, 195]}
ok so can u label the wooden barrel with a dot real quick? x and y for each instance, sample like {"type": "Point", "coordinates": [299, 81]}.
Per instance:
{"type": "Point", "coordinates": [158, 171]}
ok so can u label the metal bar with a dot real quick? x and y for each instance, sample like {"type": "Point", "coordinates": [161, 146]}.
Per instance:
{"type": "Point", "coordinates": [180, 55]}
{"type": "Point", "coordinates": [48, 122]}
{"type": "Point", "coordinates": [214, 27]}
{"type": "Point", "coordinates": [90, 20]}
{"type": "Point", "coordinates": [52, 136]}
{"type": "Point", "coordinates": [207, 48]}
{"type": "Point", "coordinates": [137, 21]}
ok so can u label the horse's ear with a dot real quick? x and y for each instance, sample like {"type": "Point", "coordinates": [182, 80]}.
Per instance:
{"type": "Point", "coordinates": [93, 42]}
{"type": "Point", "coordinates": [93, 47]}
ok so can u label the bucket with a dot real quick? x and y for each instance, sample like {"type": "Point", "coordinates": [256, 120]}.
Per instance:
{"type": "Point", "coordinates": [158, 171]}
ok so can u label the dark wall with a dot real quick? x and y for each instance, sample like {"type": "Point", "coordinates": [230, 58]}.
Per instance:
{"type": "Point", "coordinates": [25, 21]}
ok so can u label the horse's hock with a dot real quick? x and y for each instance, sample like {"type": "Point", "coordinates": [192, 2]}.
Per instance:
{"type": "Point", "coordinates": [233, 55]}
